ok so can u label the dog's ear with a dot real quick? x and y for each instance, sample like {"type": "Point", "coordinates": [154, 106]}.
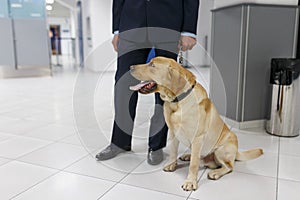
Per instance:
{"type": "Point", "coordinates": [170, 73]}
{"type": "Point", "coordinates": [177, 79]}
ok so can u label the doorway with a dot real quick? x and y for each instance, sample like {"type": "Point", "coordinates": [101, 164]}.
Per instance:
{"type": "Point", "coordinates": [55, 39]}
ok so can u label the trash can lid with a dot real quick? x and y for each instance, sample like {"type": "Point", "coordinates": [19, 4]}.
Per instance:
{"type": "Point", "coordinates": [284, 70]}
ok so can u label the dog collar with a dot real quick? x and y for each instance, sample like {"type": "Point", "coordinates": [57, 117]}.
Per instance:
{"type": "Point", "coordinates": [183, 95]}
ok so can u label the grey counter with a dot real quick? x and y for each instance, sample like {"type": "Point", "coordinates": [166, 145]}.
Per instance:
{"type": "Point", "coordinates": [24, 48]}
{"type": "Point", "coordinates": [244, 39]}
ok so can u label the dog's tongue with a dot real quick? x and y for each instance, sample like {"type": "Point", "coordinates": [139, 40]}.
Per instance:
{"type": "Point", "coordinates": [138, 86]}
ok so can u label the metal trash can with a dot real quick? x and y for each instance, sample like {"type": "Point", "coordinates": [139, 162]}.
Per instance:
{"type": "Point", "coordinates": [283, 119]}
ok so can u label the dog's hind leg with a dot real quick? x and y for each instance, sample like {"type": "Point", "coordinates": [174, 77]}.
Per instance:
{"type": "Point", "coordinates": [209, 161]}
{"type": "Point", "coordinates": [224, 157]}
{"type": "Point", "coordinates": [185, 157]}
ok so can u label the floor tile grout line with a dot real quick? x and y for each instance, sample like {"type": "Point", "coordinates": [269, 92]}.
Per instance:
{"type": "Point", "coordinates": [105, 179]}
{"type": "Point", "coordinates": [95, 177]}
{"type": "Point", "coordinates": [278, 165]}
{"type": "Point", "coordinates": [31, 129]}
{"type": "Point", "coordinates": [9, 135]}
{"type": "Point", "coordinates": [58, 171]}
{"type": "Point", "coordinates": [197, 183]}
{"type": "Point", "coordinates": [55, 142]}
{"type": "Point", "coordinates": [159, 190]}
{"type": "Point", "coordinates": [27, 135]}
{"type": "Point", "coordinates": [16, 159]}
{"type": "Point", "coordinates": [289, 180]}
{"type": "Point", "coordinates": [275, 178]}
{"type": "Point", "coordinates": [78, 145]}
{"type": "Point", "coordinates": [32, 137]}
{"type": "Point", "coordinates": [58, 140]}
{"type": "Point", "coordinates": [108, 190]}
{"type": "Point", "coordinates": [27, 162]}
{"type": "Point", "coordinates": [81, 174]}
{"type": "Point", "coordinates": [2, 164]}
{"type": "Point", "coordinates": [265, 176]}
{"type": "Point", "coordinates": [145, 188]}
{"type": "Point", "coordinates": [51, 143]}
{"type": "Point", "coordinates": [38, 165]}
{"type": "Point", "coordinates": [254, 174]}
{"type": "Point", "coordinates": [120, 182]}
{"type": "Point", "coordinates": [32, 186]}
{"type": "Point", "coordinates": [44, 124]}
{"type": "Point", "coordinates": [127, 174]}
{"type": "Point", "coordinates": [3, 157]}
{"type": "Point", "coordinates": [276, 153]}
{"type": "Point", "coordinates": [8, 139]}
{"type": "Point", "coordinates": [290, 155]}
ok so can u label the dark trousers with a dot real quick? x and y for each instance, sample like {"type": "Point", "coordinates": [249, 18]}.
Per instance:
{"type": "Point", "coordinates": [126, 101]}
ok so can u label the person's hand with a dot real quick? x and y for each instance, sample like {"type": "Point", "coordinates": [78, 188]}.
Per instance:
{"type": "Point", "coordinates": [115, 42]}
{"type": "Point", "coordinates": [186, 43]}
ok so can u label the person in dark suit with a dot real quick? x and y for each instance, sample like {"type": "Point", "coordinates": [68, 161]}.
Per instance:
{"type": "Point", "coordinates": [139, 25]}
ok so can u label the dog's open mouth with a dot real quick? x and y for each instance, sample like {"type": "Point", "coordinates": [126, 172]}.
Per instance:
{"type": "Point", "coordinates": [145, 87]}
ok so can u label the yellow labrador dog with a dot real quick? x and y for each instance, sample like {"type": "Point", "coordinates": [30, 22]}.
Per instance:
{"type": "Point", "coordinates": [192, 119]}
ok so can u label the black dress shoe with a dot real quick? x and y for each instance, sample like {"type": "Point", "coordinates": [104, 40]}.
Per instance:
{"type": "Point", "coordinates": [110, 152]}
{"type": "Point", "coordinates": [155, 157]}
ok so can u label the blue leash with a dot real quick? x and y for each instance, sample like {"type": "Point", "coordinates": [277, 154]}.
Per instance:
{"type": "Point", "coordinates": [151, 55]}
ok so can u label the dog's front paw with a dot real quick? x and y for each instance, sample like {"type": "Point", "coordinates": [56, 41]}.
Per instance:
{"type": "Point", "coordinates": [170, 167]}
{"type": "Point", "coordinates": [190, 185]}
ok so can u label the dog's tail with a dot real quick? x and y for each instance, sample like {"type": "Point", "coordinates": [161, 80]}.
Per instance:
{"type": "Point", "coordinates": [248, 155]}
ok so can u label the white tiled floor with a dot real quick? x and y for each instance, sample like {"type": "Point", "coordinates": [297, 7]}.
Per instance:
{"type": "Point", "coordinates": [237, 186]}
{"type": "Point", "coordinates": [46, 153]}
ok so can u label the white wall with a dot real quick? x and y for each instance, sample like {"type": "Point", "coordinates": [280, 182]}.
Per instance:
{"type": "Point", "coordinates": [101, 21]}
{"type": "Point", "coordinates": [85, 13]}
{"type": "Point", "coordinates": [198, 56]}
{"type": "Point", "coordinates": [205, 22]}
{"type": "Point", "coordinates": [98, 50]}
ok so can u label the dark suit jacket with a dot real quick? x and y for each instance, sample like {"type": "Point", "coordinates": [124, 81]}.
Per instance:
{"type": "Point", "coordinates": [169, 15]}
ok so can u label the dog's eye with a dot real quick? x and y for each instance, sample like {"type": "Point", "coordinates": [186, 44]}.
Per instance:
{"type": "Point", "coordinates": [151, 65]}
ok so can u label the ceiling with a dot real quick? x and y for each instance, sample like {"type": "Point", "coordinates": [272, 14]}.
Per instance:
{"type": "Point", "coordinates": [61, 8]}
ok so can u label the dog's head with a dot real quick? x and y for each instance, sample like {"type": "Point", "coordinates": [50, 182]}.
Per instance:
{"type": "Point", "coordinates": [163, 75]}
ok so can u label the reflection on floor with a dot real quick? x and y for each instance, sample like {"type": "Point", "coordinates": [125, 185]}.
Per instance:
{"type": "Point", "coordinates": [51, 128]}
